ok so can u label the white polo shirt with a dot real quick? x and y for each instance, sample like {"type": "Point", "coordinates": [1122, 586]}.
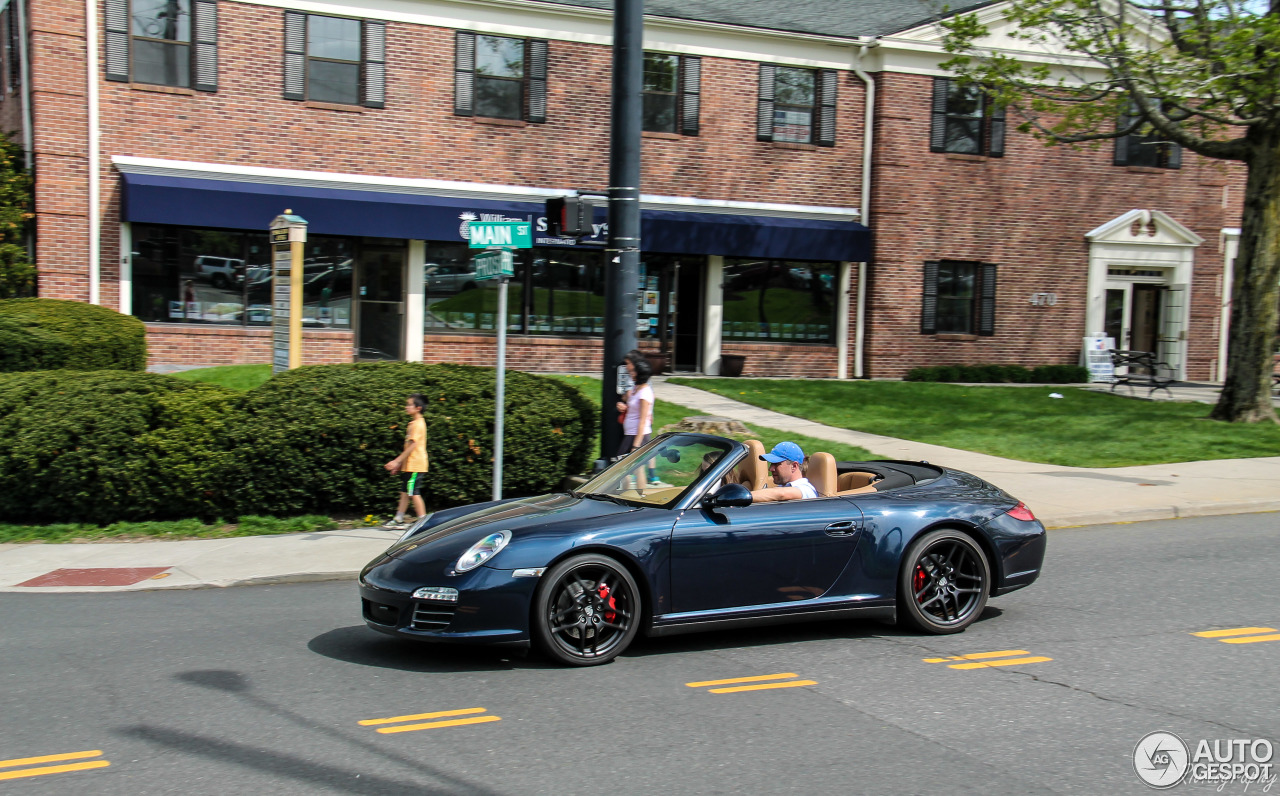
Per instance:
{"type": "Point", "coordinates": [807, 490]}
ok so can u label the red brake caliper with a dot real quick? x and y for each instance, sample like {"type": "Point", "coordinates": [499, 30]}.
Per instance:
{"type": "Point", "coordinates": [605, 595]}
{"type": "Point", "coordinates": [918, 580]}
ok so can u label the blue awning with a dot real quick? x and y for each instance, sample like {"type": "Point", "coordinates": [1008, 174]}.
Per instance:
{"type": "Point", "coordinates": [234, 204]}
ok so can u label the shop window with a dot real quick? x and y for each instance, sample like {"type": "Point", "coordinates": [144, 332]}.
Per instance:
{"type": "Point", "coordinates": [1145, 149]}
{"type": "Point", "coordinates": [163, 42]}
{"type": "Point", "coordinates": [457, 301]}
{"type": "Point", "coordinates": [334, 59]}
{"type": "Point", "coordinates": [13, 49]}
{"type": "Point", "coordinates": [500, 78]}
{"type": "Point", "coordinates": [959, 298]}
{"type": "Point", "coordinates": [965, 120]}
{"type": "Point", "coordinates": [779, 301]}
{"type": "Point", "coordinates": [565, 292]}
{"type": "Point", "coordinates": [208, 276]}
{"type": "Point", "coordinates": [671, 93]}
{"type": "Point", "coordinates": [797, 105]}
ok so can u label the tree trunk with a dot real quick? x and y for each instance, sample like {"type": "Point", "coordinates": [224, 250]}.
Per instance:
{"type": "Point", "coordinates": [1255, 294]}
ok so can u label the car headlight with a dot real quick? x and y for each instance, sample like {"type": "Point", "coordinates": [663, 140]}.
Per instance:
{"type": "Point", "coordinates": [482, 551]}
{"type": "Point", "coordinates": [414, 527]}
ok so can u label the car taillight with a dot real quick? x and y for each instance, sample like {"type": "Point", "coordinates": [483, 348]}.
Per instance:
{"type": "Point", "coordinates": [1021, 512]}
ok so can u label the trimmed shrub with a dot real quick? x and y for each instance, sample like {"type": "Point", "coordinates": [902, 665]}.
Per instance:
{"type": "Point", "coordinates": [1000, 374]}
{"type": "Point", "coordinates": [315, 439]}
{"type": "Point", "coordinates": [49, 334]}
{"type": "Point", "coordinates": [106, 446]}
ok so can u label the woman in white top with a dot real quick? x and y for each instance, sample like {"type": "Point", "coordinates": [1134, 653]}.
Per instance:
{"type": "Point", "coordinates": [637, 423]}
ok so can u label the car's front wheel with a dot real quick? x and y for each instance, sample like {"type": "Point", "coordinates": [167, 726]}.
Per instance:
{"type": "Point", "coordinates": [587, 610]}
{"type": "Point", "coordinates": [944, 582]}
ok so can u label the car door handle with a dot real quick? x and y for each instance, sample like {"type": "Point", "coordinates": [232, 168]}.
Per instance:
{"type": "Point", "coordinates": [842, 528]}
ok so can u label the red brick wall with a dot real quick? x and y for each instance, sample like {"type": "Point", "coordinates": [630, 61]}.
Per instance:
{"type": "Point", "coordinates": [1028, 213]}
{"type": "Point", "coordinates": [196, 344]}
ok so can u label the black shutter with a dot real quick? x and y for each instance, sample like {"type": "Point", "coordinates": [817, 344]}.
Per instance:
{"type": "Point", "coordinates": [929, 301]}
{"type": "Point", "coordinates": [1173, 159]}
{"type": "Point", "coordinates": [117, 38]}
{"type": "Point", "coordinates": [987, 301]}
{"type": "Point", "coordinates": [764, 112]}
{"type": "Point", "coordinates": [690, 93]}
{"type": "Point", "coordinates": [295, 55]}
{"type": "Point", "coordinates": [15, 53]}
{"type": "Point", "coordinates": [938, 128]}
{"type": "Point", "coordinates": [827, 88]}
{"type": "Point", "coordinates": [1122, 143]}
{"type": "Point", "coordinates": [205, 66]}
{"type": "Point", "coordinates": [374, 65]}
{"type": "Point", "coordinates": [535, 59]}
{"type": "Point", "coordinates": [464, 73]}
{"type": "Point", "coordinates": [995, 145]}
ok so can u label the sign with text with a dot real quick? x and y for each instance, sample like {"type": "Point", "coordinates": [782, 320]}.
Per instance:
{"type": "Point", "coordinates": [494, 264]}
{"type": "Point", "coordinates": [501, 234]}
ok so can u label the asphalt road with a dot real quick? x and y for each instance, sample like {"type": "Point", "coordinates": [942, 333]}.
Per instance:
{"type": "Point", "coordinates": [263, 689]}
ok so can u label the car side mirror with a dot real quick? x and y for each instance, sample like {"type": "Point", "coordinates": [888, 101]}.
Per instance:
{"type": "Point", "coordinates": [733, 496]}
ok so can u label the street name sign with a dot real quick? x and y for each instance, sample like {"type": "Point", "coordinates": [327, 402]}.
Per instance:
{"type": "Point", "coordinates": [494, 264]}
{"type": "Point", "coordinates": [501, 234]}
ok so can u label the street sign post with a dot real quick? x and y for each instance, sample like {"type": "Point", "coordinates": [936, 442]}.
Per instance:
{"type": "Point", "coordinates": [288, 236]}
{"type": "Point", "coordinates": [497, 262]}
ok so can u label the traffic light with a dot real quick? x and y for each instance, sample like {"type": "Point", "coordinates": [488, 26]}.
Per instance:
{"type": "Point", "coordinates": [568, 216]}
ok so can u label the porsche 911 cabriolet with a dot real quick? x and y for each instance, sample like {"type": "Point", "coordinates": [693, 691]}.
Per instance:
{"type": "Point", "coordinates": [669, 540]}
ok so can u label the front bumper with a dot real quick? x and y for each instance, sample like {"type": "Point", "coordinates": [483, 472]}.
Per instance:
{"type": "Point", "coordinates": [493, 607]}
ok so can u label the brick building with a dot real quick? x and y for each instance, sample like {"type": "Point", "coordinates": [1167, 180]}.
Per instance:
{"type": "Point", "coordinates": [779, 138]}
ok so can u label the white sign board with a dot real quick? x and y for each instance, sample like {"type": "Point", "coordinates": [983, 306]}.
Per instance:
{"type": "Point", "coordinates": [1097, 358]}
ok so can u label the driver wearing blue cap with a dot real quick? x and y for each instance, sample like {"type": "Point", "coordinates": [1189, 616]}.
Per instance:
{"type": "Point", "coordinates": [787, 466]}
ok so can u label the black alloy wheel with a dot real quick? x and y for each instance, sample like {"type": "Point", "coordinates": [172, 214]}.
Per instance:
{"type": "Point", "coordinates": [944, 582]}
{"type": "Point", "coordinates": [586, 611]}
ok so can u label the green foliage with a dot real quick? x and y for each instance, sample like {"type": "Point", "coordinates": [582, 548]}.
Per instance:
{"type": "Point", "coordinates": [17, 274]}
{"type": "Point", "coordinates": [165, 529]}
{"type": "Point", "coordinates": [49, 334]}
{"type": "Point", "coordinates": [1001, 374]}
{"type": "Point", "coordinates": [316, 438]}
{"type": "Point", "coordinates": [106, 446]}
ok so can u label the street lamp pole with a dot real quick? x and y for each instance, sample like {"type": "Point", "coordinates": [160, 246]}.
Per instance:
{"type": "Point", "coordinates": [622, 252]}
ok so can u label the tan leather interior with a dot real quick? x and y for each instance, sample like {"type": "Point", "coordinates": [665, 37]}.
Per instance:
{"type": "Point", "coordinates": [752, 471]}
{"type": "Point", "coordinates": [822, 473]}
{"type": "Point", "coordinates": [854, 480]}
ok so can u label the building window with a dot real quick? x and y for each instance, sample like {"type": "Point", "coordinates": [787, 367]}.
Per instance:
{"type": "Point", "coordinates": [334, 59]}
{"type": "Point", "coordinates": [779, 301]}
{"type": "Point", "coordinates": [797, 105]}
{"type": "Point", "coordinates": [13, 49]}
{"type": "Point", "coordinates": [959, 298]}
{"type": "Point", "coordinates": [671, 93]}
{"type": "Point", "coordinates": [500, 78]}
{"type": "Point", "coordinates": [212, 276]}
{"type": "Point", "coordinates": [163, 42]}
{"type": "Point", "coordinates": [1145, 149]}
{"type": "Point", "coordinates": [965, 121]}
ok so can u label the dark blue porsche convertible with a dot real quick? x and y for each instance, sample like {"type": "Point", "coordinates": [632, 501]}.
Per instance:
{"type": "Point", "coordinates": [668, 540]}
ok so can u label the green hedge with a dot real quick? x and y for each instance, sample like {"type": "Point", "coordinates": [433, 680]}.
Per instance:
{"type": "Point", "coordinates": [316, 438]}
{"type": "Point", "coordinates": [1001, 374]}
{"type": "Point", "coordinates": [50, 334]}
{"type": "Point", "coordinates": [107, 446]}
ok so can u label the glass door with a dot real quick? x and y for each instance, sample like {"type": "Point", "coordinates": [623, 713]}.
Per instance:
{"type": "Point", "coordinates": [380, 292]}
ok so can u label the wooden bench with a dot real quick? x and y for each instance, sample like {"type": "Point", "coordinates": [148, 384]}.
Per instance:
{"type": "Point", "coordinates": [1141, 369]}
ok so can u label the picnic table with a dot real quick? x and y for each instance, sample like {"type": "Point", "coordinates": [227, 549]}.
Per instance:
{"type": "Point", "coordinates": [1141, 369]}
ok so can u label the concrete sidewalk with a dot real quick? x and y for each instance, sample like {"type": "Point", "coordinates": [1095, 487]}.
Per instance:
{"type": "Point", "coordinates": [1059, 496]}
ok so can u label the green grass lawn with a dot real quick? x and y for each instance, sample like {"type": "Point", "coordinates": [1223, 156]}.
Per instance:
{"type": "Point", "coordinates": [665, 413]}
{"type": "Point", "coordinates": [161, 530]}
{"type": "Point", "coordinates": [237, 377]}
{"type": "Point", "coordinates": [1081, 429]}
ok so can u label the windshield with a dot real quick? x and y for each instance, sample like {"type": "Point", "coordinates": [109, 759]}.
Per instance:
{"type": "Point", "coordinates": [660, 472]}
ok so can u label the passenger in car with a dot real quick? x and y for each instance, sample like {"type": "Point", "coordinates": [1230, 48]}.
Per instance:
{"type": "Point", "coordinates": [787, 466]}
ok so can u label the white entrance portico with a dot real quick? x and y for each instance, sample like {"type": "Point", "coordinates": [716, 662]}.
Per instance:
{"type": "Point", "coordinates": [1140, 268]}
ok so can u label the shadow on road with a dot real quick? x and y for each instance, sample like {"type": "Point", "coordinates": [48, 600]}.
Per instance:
{"type": "Point", "coordinates": [359, 645]}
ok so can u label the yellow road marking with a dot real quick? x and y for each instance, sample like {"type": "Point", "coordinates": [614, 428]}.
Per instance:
{"type": "Point", "coordinates": [1237, 631]}
{"type": "Point", "coordinates": [763, 686]}
{"type": "Point", "coordinates": [434, 724]}
{"type": "Point", "coordinates": [26, 761]}
{"type": "Point", "coordinates": [1010, 662]}
{"type": "Point", "coordinates": [1251, 639]}
{"type": "Point", "coordinates": [417, 716]}
{"type": "Point", "coordinates": [39, 772]}
{"type": "Point", "coordinates": [977, 656]}
{"type": "Point", "coordinates": [732, 680]}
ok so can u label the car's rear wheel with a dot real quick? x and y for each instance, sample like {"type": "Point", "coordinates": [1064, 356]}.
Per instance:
{"type": "Point", "coordinates": [587, 610]}
{"type": "Point", "coordinates": [944, 582]}
{"type": "Point", "coordinates": [219, 280]}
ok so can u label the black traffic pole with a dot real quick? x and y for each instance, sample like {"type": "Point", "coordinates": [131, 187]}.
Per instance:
{"type": "Point", "coordinates": [622, 252]}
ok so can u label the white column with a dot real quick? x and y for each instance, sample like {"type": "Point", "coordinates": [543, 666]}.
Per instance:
{"type": "Point", "coordinates": [1230, 247]}
{"type": "Point", "coordinates": [126, 269]}
{"type": "Point", "coordinates": [712, 315]}
{"type": "Point", "coordinates": [842, 321]}
{"type": "Point", "coordinates": [415, 302]}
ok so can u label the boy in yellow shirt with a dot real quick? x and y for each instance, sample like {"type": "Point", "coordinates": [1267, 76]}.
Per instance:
{"type": "Point", "coordinates": [411, 464]}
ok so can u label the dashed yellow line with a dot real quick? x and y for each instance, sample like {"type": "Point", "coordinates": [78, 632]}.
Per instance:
{"type": "Point", "coordinates": [990, 664]}
{"type": "Point", "coordinates": [434, 724]}
{"type": "Point", "coordinates": [42, 771]}
{"type": "Point", "coordinates": [976, 656]}
{"type": "Point", "coordinates": [1241, 635]}
{"type": "Point", "coordinates": [988, 660]}
{"type": "Point", "coordinates": [429, 725]}
{"type": "Point", "coordinates": [1251, 639]}
{"type": "Point", "coordinates": [733, 680]}
{"type": "Point", "coordinates": [763, 686]}
{"type": "Point", "coordinates": [419, 716]}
